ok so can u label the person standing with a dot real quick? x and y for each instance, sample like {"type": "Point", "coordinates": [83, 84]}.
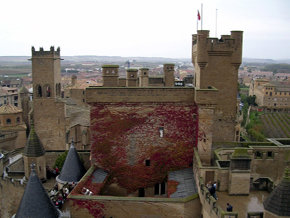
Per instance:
{"type": "Point", "coordinates": [229, 208]}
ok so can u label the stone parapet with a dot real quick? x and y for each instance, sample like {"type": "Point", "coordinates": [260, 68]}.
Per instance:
{"type": "Point", "coordinates": [118, 94]}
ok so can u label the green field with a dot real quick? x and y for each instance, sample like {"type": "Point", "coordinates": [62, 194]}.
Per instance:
{"type": "Point", "coordinates": [276, 125]}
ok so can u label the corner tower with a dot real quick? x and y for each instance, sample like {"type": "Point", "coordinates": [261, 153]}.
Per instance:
{"type": "Point", "coordinates": [48, 108]}
{"type": "Point", "coordinates": [216, 63]}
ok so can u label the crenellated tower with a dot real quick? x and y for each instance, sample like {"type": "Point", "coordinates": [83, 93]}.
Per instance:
{"type": "Point", "coordinates": [46, 75]}
{"type": "Point", "coordinates": [216, 63]}
{"type": "Point", "coordinates": [48, 108]}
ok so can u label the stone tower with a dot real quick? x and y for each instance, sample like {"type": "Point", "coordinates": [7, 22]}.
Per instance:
{"type": "Point", "coordinates": [132, 77]}
{"type": "Point", "coordinates": [168, 70]}
{"type": "Point", "coordinates": [110, 75]}
{"type": "Point", "coordinates": [216, 63]}
{"type": "Point", "coordinates": [48, 109]}
{"type": "Point", "coordinates": [144, 77]}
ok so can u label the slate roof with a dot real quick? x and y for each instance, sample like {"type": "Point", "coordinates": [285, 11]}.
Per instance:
{"type": "Point", "coordinates": [73, 169]}
{"type": "Point", "coordinates": [99, 176]}
{"type": "Point", "coordinates": [35, 201]}
{"type": "Point", "coordinates": [33, 146]}
{"type": "Point", "coordinates": [278, 201]}
{"type": "Point", "coordinates": [186, 186]}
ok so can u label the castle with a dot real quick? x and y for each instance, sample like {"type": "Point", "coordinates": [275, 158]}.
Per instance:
{"type": "Point", "coordinates": [154, 146]}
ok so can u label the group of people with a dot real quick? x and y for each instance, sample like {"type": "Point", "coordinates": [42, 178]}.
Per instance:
{"type": "Point", "coordinates": [58, 196]}
{"type": "Point", "coordinates": [212, 187]}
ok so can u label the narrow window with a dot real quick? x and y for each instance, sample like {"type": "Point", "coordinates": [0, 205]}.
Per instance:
{"type": "Point", "coordinates": [18, 120]}
{"type": "Point", "coordinates": [156, 189]}
{"type": "Point", "coordinates": [8, 121]}
{"type": "Point", "coordinates": [161, 132]}
{"type": "Point", "coordinates": [163, 188]}
{"type": "Point", "coordinates": [48, 92]}
{"type": "Point", "coordinates": [39, 91]}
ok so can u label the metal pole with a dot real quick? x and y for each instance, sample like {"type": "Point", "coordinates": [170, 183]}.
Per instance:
{"type": "Point", "coordinates": [197, 21]}
{"type": "Point", "coordinates": [201, 15]}
{"type": "Point", "coordinates": [216, 22]}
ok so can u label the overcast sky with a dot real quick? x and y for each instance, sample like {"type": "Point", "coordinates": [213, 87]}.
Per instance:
{"type": "Point", "coordinates": [155, 28]}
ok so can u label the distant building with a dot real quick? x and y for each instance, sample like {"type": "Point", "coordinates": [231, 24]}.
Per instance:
{"type": "Point", "coordinates": [9, 96]}
{"type": "Point", "coordinates": [271, 95]}
{"type": "Point", "coordinates": [12, 128]}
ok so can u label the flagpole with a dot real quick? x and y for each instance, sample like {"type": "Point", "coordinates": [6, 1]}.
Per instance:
{"type": "Point", "coordinates": [201, 15]}
{"type": "Point", "coordinates": [197, 22]}
{"type": "Point", "coordinates": [216, 22]}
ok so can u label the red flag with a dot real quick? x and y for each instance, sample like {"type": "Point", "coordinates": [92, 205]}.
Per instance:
{"type": "Point", "coordinates": [198, 15]}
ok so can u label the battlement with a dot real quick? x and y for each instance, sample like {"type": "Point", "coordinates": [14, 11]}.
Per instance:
{"type": "Point", "coordinates": [224, 46]}
{"type": "Point", "coordinates": [42, 52]}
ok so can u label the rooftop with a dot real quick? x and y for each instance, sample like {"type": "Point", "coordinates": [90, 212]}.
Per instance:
{"type": "Point", "coordinates": [9, 109]}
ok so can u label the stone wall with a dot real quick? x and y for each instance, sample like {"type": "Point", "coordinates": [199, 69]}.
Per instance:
{"type": "Point", "coordinates": [11, 194]}
{"type": "Point", "coordinates": [103, 94]}
{"type": "Point", "coordinates": [132, 208]}
{"type": "Point", "coordinates": [49, 122]}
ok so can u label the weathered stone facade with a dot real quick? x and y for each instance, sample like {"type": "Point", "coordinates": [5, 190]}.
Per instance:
{"type": "Point", "coordinates": [216, 65]}
{"type": "Point", "coordinates": [270, 95]}
{"type": "Point", "coordinates": [48, 110]}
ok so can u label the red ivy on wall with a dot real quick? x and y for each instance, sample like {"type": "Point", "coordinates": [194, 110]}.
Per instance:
{"type": "Point", "coordinates": [125, 135]}
{"type": "Point", "coordinates": [95, 208]}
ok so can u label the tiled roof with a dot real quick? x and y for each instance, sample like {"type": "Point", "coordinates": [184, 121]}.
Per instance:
{"type": "Point", "coordinates": [9, 109]}
{"type": "Point", "coordinates": [73, 169]}
{"type": "Point", "coordinates": [35, 201]}
{"type": "Point", "coordinates": [278, 201]}
{"type": "Point", "coordinates": [33, 146]}
{"type": "Point", "coordinates": [186, 183]}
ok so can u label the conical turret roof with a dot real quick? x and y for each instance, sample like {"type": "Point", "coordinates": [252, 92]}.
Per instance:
{"type": "Point", "coordinates": [35, 201]}
{"type": "Point", "coordinates": [33, 146]}
{"type": "Point", "coordinates": [278, 201]}
{"type": "Point", "coordinates": [73, 169]}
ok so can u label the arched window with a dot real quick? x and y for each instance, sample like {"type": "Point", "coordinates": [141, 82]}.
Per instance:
{"type": "Point", "coordinates": [47, 90]}
{"type": "Point", "coordinates": [18, 120]}
{"type": "Point", "coordinates": [8, 121]}
{"type": "Point", "coordinates": [38, 91]}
